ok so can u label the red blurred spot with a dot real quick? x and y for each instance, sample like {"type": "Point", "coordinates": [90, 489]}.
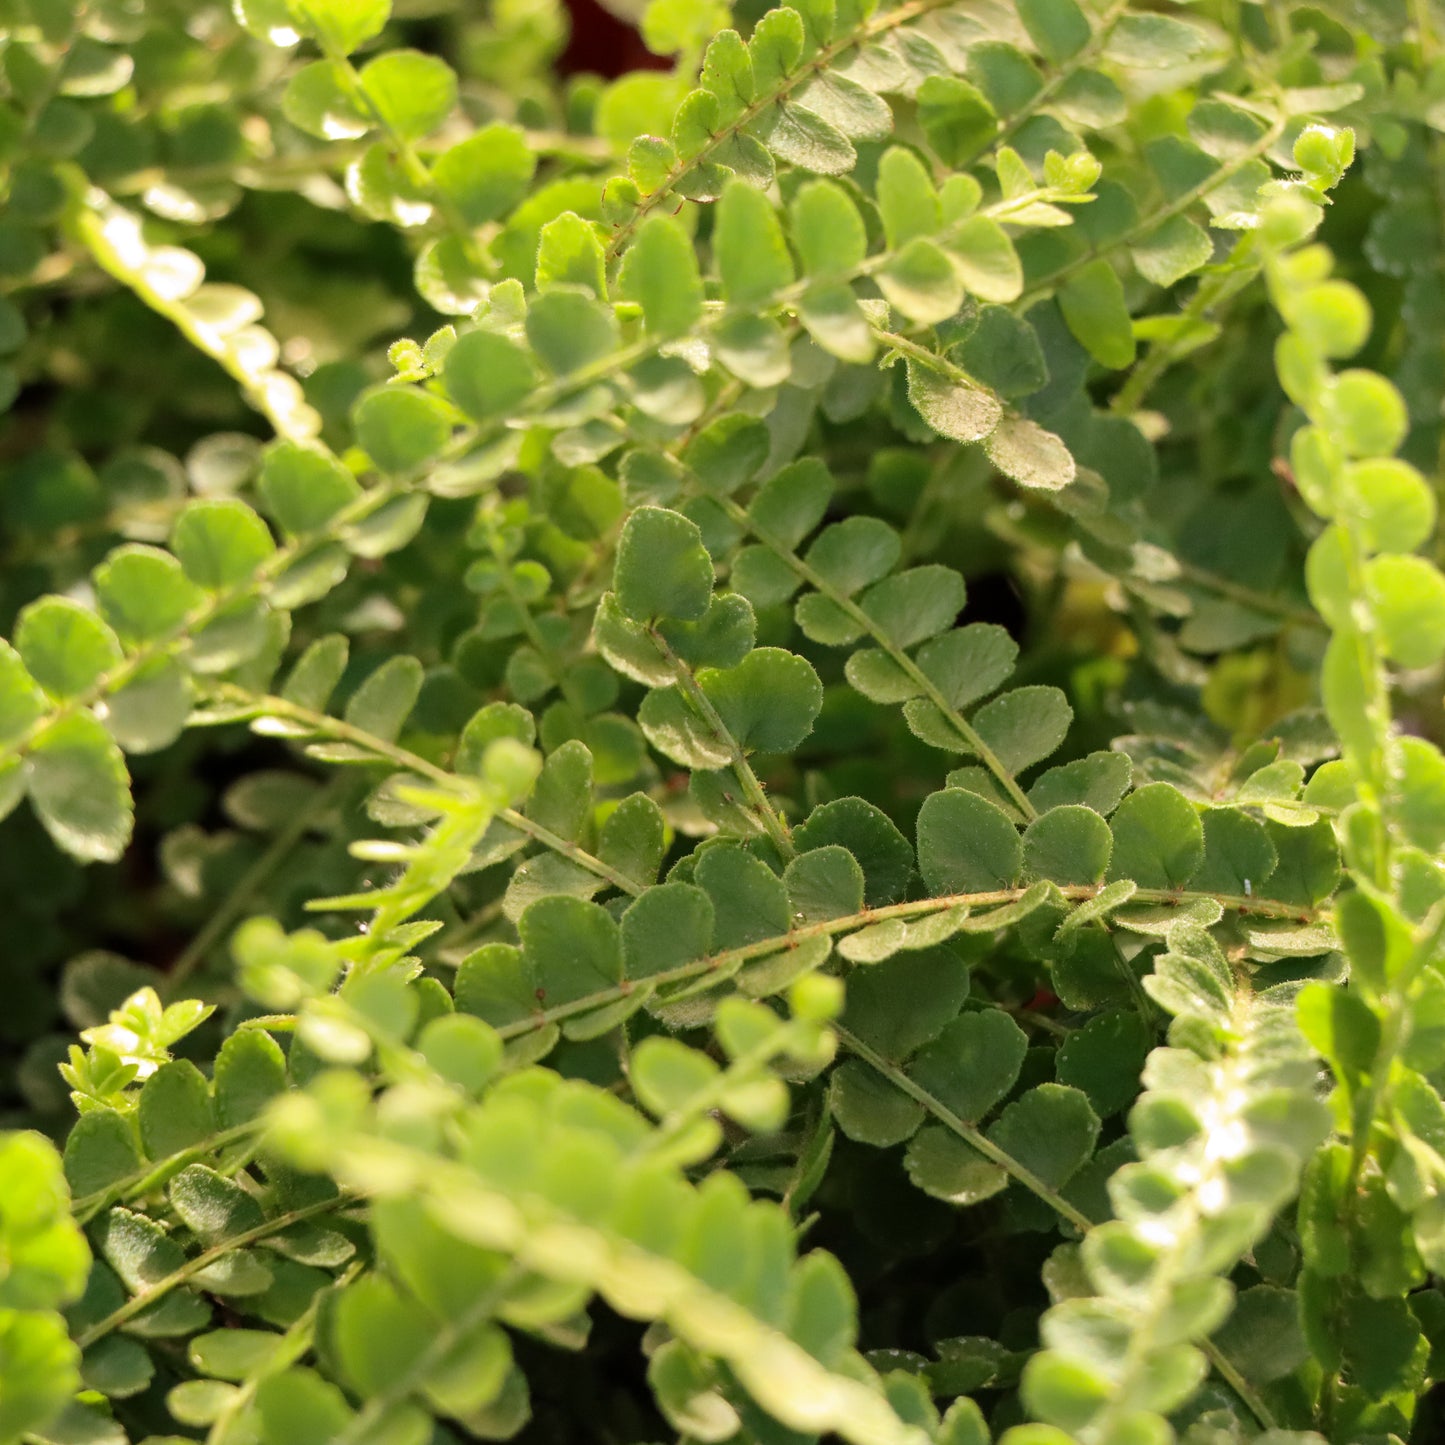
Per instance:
{"type": "Point", "coordinates": [603, 44]}
{"type": "Point", "coordinates": [1042, 1001]}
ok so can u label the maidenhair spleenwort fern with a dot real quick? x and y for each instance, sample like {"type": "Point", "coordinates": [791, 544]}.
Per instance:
{"type": "Point", "coordinates": [765, 730]}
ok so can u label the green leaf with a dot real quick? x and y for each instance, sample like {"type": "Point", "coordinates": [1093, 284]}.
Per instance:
{"type": "Point", "coordinates": [346, 24]}
{"type": "Point", "coordinates": [250, 1072]}
{"type": "Point", "coordinates": [488, 376]}
{"type": "Point", "coordinates": [1148, 41]}
{"type": "Point", "coordinates": [1097, 781]}
{"type": "Point", "coordinates": [828, 231]}
{"type": "Point", "coordinates": [1341, 1026]}
{"type": "Point", "coordinates": [752, 255]}
{"type": "Point", "coordinates": [317, 672]}
{"type": "Point", "coordinates": [1262, 1337]}
{"type": "Point", "coordinates": [869, 1109]}
{"type": "Point", "coordinates": [384, 701]}
{"type": "Point", "coordinates": [1238, 854]}
{"type": "Point", "coordinates": [1058, 27]}
{"type": "Point", "coordinates": [1407, 595]}
{"type": "Point", "coordinates": [569, 330]}
{"type": "Point", "coordinates": [749, 901]}
{"type": "Point", "coordinates": [824, 883]}
{"type": "Point", "coordinates": [968, 663]}
{"type": "Point", "coordinates": [175, 1109]}
{"type": "Point", "coordinates": [569, 254]}
{"type": "Point", "coordinates": [412, 93]}
{"type": "Point", "coordinates": [943, 1165]}
{"type": "Point", "coordinates": [906, 197]}
{"type": "Point", "coordinates": [662, 569]}
{"type": "Point", "coordinates": [117, 1367]}
{"type": "Point", "coordinates": [870, 836]}
{"type": "Point", "coordinates": [298, 1404]}
{"type": "Point", "coordinates": [400, 428]}
{"type": "Point", "coordinates": [39, 1371]}
{"type": "Point", "coordinates": [728, 453]}
{"type": "Point", "coordinates": [213, 1207]}
{"type": "Point", "coordinates": [487, 174]}
{"type": "Point", "coordinates": [1382, 1343]}
{"type": "Point", "coordinates": [1092, 301]}
{"type": "Point", "coordinates": [137, 1249]}
{"type": "Point", "coordinates": [561, 798]}
{"type": "Point", "coordinates": [463, 1050]}
{"type": "Point", "coordinates": [768, 702]}
{"type": "Point", "coordinates": [1024, 726]}
{"type": "Point", "coordinates": [666, 1075]}
{"type": "Point", "coordinates": [572, 947]}
{"type": "Point", "coordinates": [914, 605]}
{"type": "Point", "coordinates": [906, 1001]}
{"type": "Point", "coordinates": [305, 487]}
{"type": "Point", "coordinates": [65, 647]}
{"type": "Point", "coordinates": [318, 100]}
{"type": "Point", "coordinates": [1104, 1060]}
{"type": "Point", "coordinates": [78, 784]}
{"type": "Point", "coordinates": [1172, 251]}
{"type": "Point", "coordinates": [852, 553]}
{"type": "Point", "coordinates": [100, 1151]}
{"type": "Point", "coordinates": [380, 1336]}
{"type": "Point", "coordinates": [664, 928]}
{"type": "Point", "coordinates": [494, 984]}
{"type": "Point", "coordinates": [1031, 456]}
{"type": "Point", "coordinates": [1393, 503]}
{"type": "Point", "coordinates": [232, 1354]}
{"type": "Point", "coordinates": [143, 593]}
{"type": "Point", "coordinates": [972, 1064]}
{"type": "Point", "coordinates": [836, 321]}
{"type": "Point", "coordinates": [1158, 838]}
{"type": "Point", "coordinates": [659, 272]}
{"type": "Point", "coordinates": [1051, 1131]}
{"type": "Point", "coordinates": [986, 260]}
{"type": "Point", "coordinates": [921, 282]}
{"type": "Point", "coordinates": [966, 844]}
{"type": "Point", "coordinates": [1069, 844]}
{"type": "Point", "coordinates": [952, 405]}
{"type": "Point", "coordinates": [674, 727]}
{"type": "Point", "coordinates": [220, 544]}
{"type": "Point", "coordinates": [851, 109]}
{"type": "Point", "coordinates": [1365, 413]}
{"type": "Point", "coordinates": [152, 709]}
{"type": "Point", "coordinates": [1193, 978]}
{"type": "Point", "coordinates": [633, 839]}
{"type": "Point", "coordinates": [803, 138]}
{"type": "Point", "coordinates": [22, 702]}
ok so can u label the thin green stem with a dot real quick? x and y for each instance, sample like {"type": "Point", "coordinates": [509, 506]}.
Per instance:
{"type": "Point", "coordinates": [971, 1136]}
{"type": "Point", "coordinates": [1181, 203]}
{"type": "Point", "coordinates": [417, 171]}
{"type": "Point", "coordinates": [1213, 290]}
{"type": "Point", "coordinates": [771, 821]}
{"type": "Point", "coordinates": [1103, 26]}
{"type": "Point", "coordinates": [813, 67]}
{"type": "Point", "coordinates": [724, 963]}
{"type": "Point", "coordinates": [1025, 1177]}
{"type": "Point", "coordinates": [926, 686]}
{"type": "Point", "coordinates": [197, 1263]}
{"type": "Point", "coordinates": [323, 725]}
{"type": "Point", "coordinates": [140, 1182]}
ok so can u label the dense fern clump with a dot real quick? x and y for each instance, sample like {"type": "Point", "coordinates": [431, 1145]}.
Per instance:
{"type": "Point", "coordinates": [747, 752]}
